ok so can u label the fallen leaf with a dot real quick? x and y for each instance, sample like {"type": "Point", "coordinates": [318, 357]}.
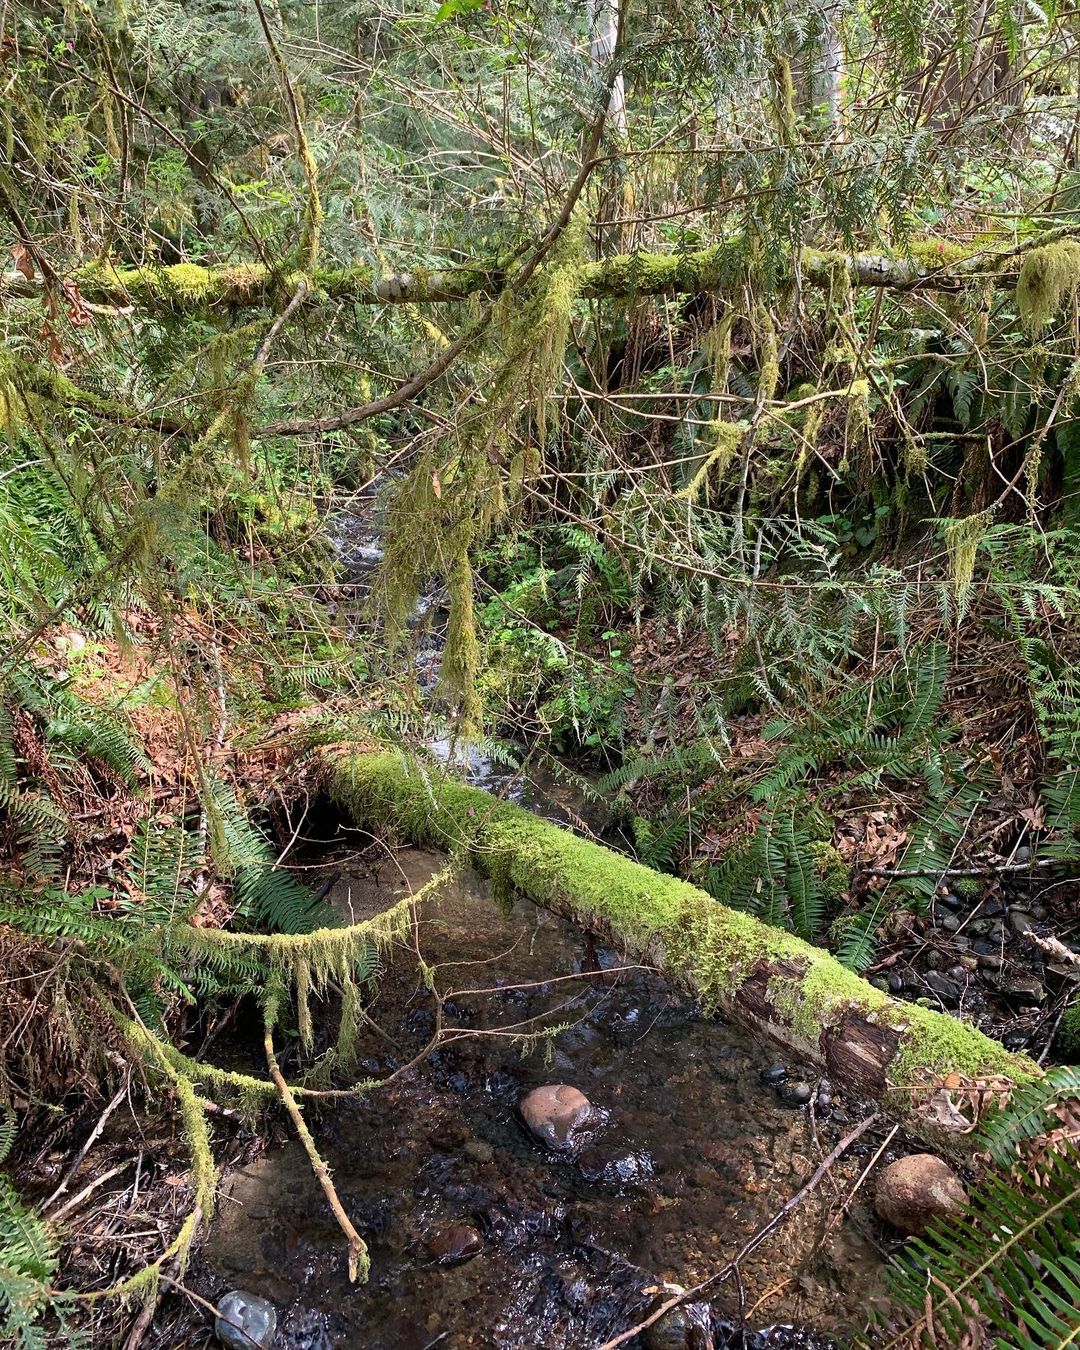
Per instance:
{"type": "Point", "coordinates": [24, 263]}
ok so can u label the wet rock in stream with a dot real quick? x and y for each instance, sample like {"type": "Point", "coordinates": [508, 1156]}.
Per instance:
{"type": "Point", "coordinates": [457, 1243]}
{"type": "Point", "coordinates": [689, 1326]}
{"type": "Point", "coordinates": [559, 1116]}
{"type": "Point", "coordinates": [245, 1321]}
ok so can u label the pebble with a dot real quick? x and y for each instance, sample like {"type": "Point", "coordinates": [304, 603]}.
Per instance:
{"type": "Point", "coordinates": [478, 1151]}
{"type": "Point", "coordinates": [943, 987]}
{"type": "Point", "coordinates": [895, 981]}
{"type": "Point", "coordinates": [1023, 988]}
{"type": "Point", "coordinates": [934, 959]}
{"type": "Point", "coordinates": [950, 901]}
{"type": "Point", "coordinates": [914, 1190]}
{"type": "Point", "coordinates": [557, 1115]}
{"type": "Point", "coordinates": [457, 1243]}
{"type": "Point", "coordinates": [879, 983]}
{"type": "Point", "coordinates": [245, 1321]}
{"type": "Point", "coordinates": [775, 1073]}
{"type": "Point", "coordinates": [796, 1094]}
{"type": "Point", "coordinates": [1020, 921]}
{"type": "Point", "coordinates": [949, 922]}
{"type": "Point", "coordinates": [968, 963]}
{"type": "Point", "coordinates": [1014, 1040]}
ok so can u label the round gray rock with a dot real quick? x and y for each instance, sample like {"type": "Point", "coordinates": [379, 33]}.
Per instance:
{"type": "Point", "coordinates": [915, 1190]}
{"type": "Point", "coordinates": [245, 1321]}
{"type": "Point", "coordinates": [557, 1114]}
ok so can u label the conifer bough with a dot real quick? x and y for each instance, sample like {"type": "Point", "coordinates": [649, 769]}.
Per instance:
{"type": "Point", "coordinates": [767, 980]}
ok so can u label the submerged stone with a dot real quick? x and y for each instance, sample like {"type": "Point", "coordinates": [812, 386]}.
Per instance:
{"type": "Point", "coordinates": [457, 1243]}
{"type": "Point", "coordinates": [245, 1321]}
{"type": "Point", "coordinates": [686, 1327]}
{"type": "Point", "coordinates": [775, 1073]}
{"type": "Point", "coordinates": [796, 1094]}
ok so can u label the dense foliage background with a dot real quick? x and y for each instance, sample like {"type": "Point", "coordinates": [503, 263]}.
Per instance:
{"type": "Point", "coordinates": [717, 373]}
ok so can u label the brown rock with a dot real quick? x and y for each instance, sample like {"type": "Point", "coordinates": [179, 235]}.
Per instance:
{"type": "Point", "coordinates": [457, 1243]}
{"type": "Point", "coordinates": [913, 1191]}
{"type": "Point", "coordinates": [557, 1114]}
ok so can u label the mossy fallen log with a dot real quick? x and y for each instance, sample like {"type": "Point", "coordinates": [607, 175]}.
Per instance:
{"type": "Point", "coordinates": [190, 287]}
{"type": "Point", "coordinates": [761, 977]}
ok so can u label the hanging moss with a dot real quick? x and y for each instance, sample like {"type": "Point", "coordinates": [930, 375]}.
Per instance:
{"type": "Point", "coordinates": [309, 963]}
{"type": "Point", "coordinates": [962, 540]}
{"type": "Point", "coordinates": [1049, 277]}
{"type": "Point", "coordinates": [726, 439]}
{"type": "Point", "coordinates": [857, 421]}
{"type": "Point", "coordinates": [768, 355]}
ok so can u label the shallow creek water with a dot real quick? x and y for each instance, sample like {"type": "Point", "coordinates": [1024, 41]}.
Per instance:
{"type": "Point", "coordinates": [694, 1157]}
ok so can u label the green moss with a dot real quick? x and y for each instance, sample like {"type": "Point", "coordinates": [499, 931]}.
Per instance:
{"type": "Point", "coordinates": [709, 948]}
{"type": "Point", "coordinates": [1068, 1036]}
{"type": "Point", "coordinates": [968, 888]}
{"type": "Point", "coordinates": [939, 252]}
{"type": "Point", "coordinates": [187, 280]}
{"type": "Point", "coordinates": [1049, 276]}
{"type": "Point", "coordinates": [934, 1042]}
{"type": "Point", "coordinates": [719, 268]}
{"type": "Point", "coordinates": [834, 875]}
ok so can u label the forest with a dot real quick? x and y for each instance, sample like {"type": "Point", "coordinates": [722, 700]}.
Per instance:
{"type": "Point", "coordinates": [539, 688]}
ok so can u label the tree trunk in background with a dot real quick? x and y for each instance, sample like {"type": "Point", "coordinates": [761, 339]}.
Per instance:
{"type": "Point", "coordinates": [603, 35]}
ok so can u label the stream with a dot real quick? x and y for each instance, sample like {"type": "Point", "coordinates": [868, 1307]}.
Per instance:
{"type": "Point", "coordinates": [479, 1234]}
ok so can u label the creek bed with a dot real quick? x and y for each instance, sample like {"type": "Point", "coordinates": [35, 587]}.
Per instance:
{"type": "Point", "coordinates": [695, 1156]}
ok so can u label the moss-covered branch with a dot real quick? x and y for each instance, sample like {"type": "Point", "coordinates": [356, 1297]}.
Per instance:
{"type": "Point", "coordinates": [931, 264]}
{"type": "Point", "coordinates": [764, 978]}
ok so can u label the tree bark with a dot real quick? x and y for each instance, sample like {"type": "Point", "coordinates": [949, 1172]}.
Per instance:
{"type": "Point", "coordinates": [769, 981]}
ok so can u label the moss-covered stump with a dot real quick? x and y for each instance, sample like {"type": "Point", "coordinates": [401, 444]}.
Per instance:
{"type": "Point", "coordinates": [763, 978]}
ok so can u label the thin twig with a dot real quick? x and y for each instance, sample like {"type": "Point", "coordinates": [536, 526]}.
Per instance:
{"type": "Point", "coordinates": [94, 1134]}
{"type": "Point", "coordinates": [358, 1253]}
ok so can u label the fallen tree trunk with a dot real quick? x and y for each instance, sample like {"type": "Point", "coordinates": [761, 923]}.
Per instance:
{"type": "Point", "coordinates": [188, 287]}
{"type": "Point", "coordinates": [761, 977]}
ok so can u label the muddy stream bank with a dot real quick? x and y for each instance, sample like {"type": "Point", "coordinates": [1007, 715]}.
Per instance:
{"type": "Point", "coordinates": [480, 1235]}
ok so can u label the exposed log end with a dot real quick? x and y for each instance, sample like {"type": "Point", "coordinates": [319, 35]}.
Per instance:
{"type": "Point", "coordinates": [762, 977]}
